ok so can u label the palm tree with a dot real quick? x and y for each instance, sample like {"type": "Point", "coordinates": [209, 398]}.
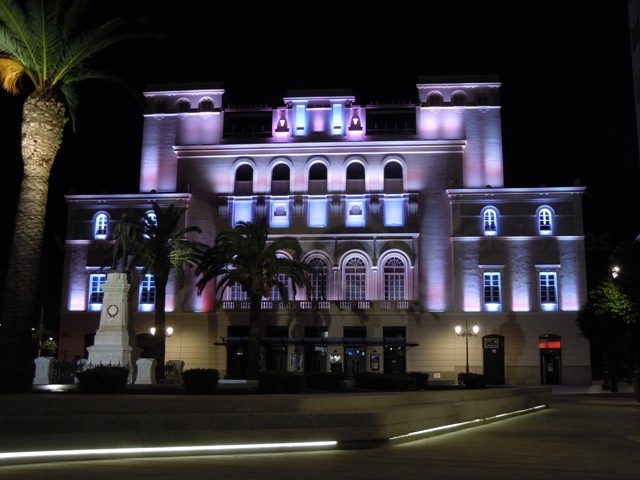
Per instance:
{"type": "Point", "coordinates": [162, 247]}
{"type": "Point", "coordinates": [43, 55]}
{"type": "Point", "coordinates": [246, 257]}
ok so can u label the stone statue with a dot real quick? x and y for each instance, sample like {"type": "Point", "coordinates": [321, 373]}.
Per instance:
{"type": "Point", "coordinates": [125, 235]}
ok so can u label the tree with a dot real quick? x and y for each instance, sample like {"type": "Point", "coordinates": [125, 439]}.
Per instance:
{"type": "Point", "coordinates": [245, 256]}
{"type": "Point", "coordinates": [604, 320]}
{"type": "Point", "coordinates": [625, 269]}
{"type": "Point", "coordinates": [164, 246]}
{"type": "Point", "coordinates": [44, 54]}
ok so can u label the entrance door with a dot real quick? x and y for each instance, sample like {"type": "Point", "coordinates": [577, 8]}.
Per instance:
{"type": "Point", "coordinates": [493, 356]}
{"type": "Point", "coordinates": [550, 359]}
{"type": "Point", "coordinates": [355, 360]}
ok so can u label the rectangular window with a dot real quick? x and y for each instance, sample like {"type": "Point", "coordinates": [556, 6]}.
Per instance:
{"type": "Point", "coordinates": [275, 292]}
{"type": "Point", "coordinates": [147, 290]}
{"type": "Point", "coordinates": [96, 294]}
{"type": "Point", "coordinates": [355, 284]}
{"type": "Point", "coordinates": [548, 288]}
{"type": "Point", "coordinates": [318, 286]}
{"type": "Point", "coordinates": [491, 286]}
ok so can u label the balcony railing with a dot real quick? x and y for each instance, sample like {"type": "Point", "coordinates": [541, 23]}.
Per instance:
{"type": "Point", "coordinates": [322, 305]}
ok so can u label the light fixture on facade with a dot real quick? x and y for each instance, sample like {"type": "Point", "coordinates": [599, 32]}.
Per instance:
{"type": "Point", "coordinates": [355, 124]}
{"type": "Point", "coordinates": [168, 331]}
{"type": "Point", "coordinates": [466, 333]}
{"type": "Point", "coordinates": [282, 123]}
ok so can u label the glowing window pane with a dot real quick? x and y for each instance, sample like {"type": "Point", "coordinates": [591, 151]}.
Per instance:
{"type": "Point", "coordinates": [242, 211]}
{"type": "Point", "coordinates": [393, 211]}
{"type": "Point", "coordinates": [96, 294]}
{"type": "Point", "coordinates": [394, 279]}
{"type": "Point", "coordinates": [100, 232]}
{"type": "Point", "coordinates": [318, 280]}
{"type": "Point", "coordinates": [318, 212]}
{"type": "Point", "coordinates": [355, 279]}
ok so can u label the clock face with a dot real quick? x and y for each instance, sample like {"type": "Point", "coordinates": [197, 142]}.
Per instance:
{"type": "Point", "coordinates": [113, 310]}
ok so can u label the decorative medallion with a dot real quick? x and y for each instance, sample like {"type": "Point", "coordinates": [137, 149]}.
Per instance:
{"type": "Point", "coordinates": [113, 310]}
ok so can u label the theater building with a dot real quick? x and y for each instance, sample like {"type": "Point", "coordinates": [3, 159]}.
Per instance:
{"type": "Point", "coordinates": [401, 208]}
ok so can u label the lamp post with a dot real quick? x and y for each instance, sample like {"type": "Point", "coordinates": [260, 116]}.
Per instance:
{"type": "Point", "coordinates": [466, 332]}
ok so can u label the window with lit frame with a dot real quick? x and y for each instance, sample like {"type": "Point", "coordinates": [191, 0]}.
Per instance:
{"type": "Point", "coordinates": [548, 290]}
{"type": "Point", "coordinates": [147, 290]}
{"type": "Point", "coordinates": [491, 287]}
{"type": "Point", "coordinates": [394, 272]}
{"type": "Point", "coordinates": [96, 294]}
{"type": "Point", "coordinates": [355, 279]}
{"type": "Point", "coordinates": [318, 280]}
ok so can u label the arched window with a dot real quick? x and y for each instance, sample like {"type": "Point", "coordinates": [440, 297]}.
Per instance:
{"type": "Point", "coordinates": [280, 179]}
{"type": "Point", "coordinates": [484, 97]}
{"type": "Point", "coordinates": [318, 280]}
{"type": "Point", "coordinates": [183, 105]}
{"type": "Point", "coordinates": [459, 99]}
{"type": "Point", "coordinates": [244, 180]}
{"type": "Point", "coordinates": [355, 178]}
{"type": "Point", "coordinates": [100, 223]}
{"type": "Point", "coordinates": [205, 105]}
{"type": "Point", "coordinates": [490, 221]}
{"type": "Point", "coordinates": [151, 216]}
{"type": "Point", "coordinates": [318, 179]}
{"type": "Point", "coordinates": [394, 279]}
{"type": "Point", "coordinates": [545, 221]}
{"type": "Point", "coordinates": [355, 279]}
{"type": "Point", "coordinates": [434, 99]}
{"type": "Point", "coordinates": [393, 178]}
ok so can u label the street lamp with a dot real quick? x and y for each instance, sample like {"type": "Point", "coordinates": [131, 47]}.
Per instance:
{"type": "Point", "coordinates": [615, 271]}
{"type": "Point", "coordinates": [466, 332]}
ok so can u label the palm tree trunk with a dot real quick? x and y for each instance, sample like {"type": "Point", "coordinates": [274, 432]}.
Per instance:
{"type": "Point", "coordinates": [43, 121]}
{"type": "Point", "coordinates": [253, 355]}
{"type": "Point", "coordinates": [161, 326]}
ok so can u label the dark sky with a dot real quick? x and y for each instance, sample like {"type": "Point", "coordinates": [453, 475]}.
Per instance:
{"type": "Point", "coordinates": [567, 98]}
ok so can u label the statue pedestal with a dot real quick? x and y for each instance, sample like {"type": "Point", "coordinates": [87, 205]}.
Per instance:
{"type": "Point", "coordinates": [146, 371]}
{"type": "Point", "coordinates": [44, 370]}
{"type": "Point", "coordinates": [115, 343]}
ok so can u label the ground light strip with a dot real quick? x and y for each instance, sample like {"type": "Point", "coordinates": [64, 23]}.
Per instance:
{"type": "Point", "coordinates": [469, 423]}
{"type": "Point", "coordinates": [255, 446]}
{"type": "Point", "coordinates": [190, 449]}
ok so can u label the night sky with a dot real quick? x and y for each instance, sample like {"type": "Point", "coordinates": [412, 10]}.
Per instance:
{"type": "Point", "coordinates": [567, 91]}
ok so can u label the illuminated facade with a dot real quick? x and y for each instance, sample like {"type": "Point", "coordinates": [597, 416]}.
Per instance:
{"type": "Point", "coordinates": [400, 207]}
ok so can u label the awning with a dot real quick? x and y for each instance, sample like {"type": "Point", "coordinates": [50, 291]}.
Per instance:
{"type": "Point", "coordinates": [322, 341]}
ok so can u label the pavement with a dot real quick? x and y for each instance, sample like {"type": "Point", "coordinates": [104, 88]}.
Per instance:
{"type": "Point", "coordinates": [586, 433]}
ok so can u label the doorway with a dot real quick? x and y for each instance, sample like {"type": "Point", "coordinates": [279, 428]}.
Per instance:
{"type": "Point", "coordinates": [550, 347]}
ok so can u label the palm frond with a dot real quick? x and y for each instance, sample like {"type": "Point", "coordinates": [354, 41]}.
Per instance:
{"type": "Point", "coordinates": [10, 73]}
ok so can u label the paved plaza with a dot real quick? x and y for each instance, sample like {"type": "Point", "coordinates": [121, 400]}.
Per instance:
{"type": "Point", "coordinates": [587, 433]}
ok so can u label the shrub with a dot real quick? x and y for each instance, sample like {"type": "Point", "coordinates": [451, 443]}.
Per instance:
{"type": "Point", "coordinates": [15, 381]}
{"type": "Point", "coordinates": [200, 381]}
{"type": "Point", "coordinates": [385, 382]}
{"type": "Point", "coordinates": [326, 381]}
{"type": "Point", "coordinates": [422, 379]}
{"type": "Point", "coordinates": [471, 380]}
{"type": "Point", "coordinates": [281, 382]}
{"type": "Point", "coordinates": [103, 379]}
